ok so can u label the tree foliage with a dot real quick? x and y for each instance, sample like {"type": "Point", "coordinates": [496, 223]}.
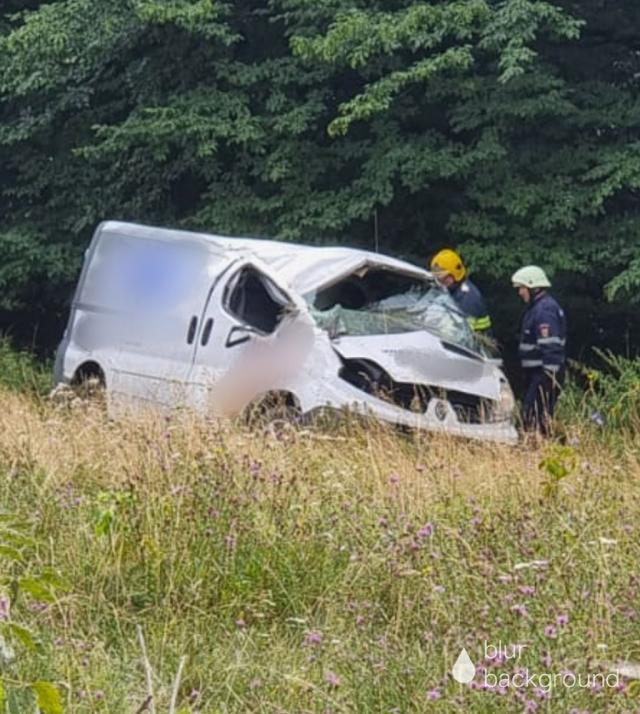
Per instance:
{"type": "Point", "coordinates": [508, 128]}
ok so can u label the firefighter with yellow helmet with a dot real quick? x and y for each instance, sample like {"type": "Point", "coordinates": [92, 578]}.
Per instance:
{"type": "Point", "coordinates": [448, 268]}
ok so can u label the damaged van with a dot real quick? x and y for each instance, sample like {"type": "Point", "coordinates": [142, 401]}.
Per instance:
{"type": "Point", "coordinates": [173, 318]}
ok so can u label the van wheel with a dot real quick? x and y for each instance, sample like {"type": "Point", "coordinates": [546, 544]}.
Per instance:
{"type": "Point", "coordinates": [275, 412]}
{"type": "Point", "coordinates": [89, 384]}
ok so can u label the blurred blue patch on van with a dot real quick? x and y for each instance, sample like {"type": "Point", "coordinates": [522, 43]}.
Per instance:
{"type": "Point", "coordinates": [146, 276]}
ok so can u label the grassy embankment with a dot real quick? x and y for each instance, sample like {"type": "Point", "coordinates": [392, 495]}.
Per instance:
{"type": "Point", "coordinates": [312, 572]}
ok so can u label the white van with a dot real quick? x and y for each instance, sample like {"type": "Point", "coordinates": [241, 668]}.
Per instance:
{"type": "Point", "coordinates": [174, 318]}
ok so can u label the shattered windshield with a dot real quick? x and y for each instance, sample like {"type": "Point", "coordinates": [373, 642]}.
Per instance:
{"type": "Point", "coordinates": [383, 302]}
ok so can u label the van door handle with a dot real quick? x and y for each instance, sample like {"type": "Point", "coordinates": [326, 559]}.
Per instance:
{"type": "Point", "coordinates": [191, 333]}
{"type": "Point", "coordinates": [206, 333]}
{"type": "Point", "coordinates": [238, 336]}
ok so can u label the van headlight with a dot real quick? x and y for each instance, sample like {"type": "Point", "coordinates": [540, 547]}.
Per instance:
{"type": "Point", "coordinates": [506, 402]}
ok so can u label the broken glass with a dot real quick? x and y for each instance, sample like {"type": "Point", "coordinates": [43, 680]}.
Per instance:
{"type": "Point", "coordinates": [421, 307]}
{"type": "Point", "coordinates": [255, 300]}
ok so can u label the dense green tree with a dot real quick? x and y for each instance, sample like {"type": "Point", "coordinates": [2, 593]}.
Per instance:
{"type": "Point", "coordinates": [528, 136]}
{"type": "Point", "coordinates": [508, 128]}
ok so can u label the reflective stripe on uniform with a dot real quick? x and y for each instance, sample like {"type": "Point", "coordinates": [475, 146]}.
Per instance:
{"type": "Point", "coordinates": [532, 363]}
{"type": "Point", "coordinates": [527, 347]}
{"type": "Point", "coordinates": [551, 341]}
{"type": "Point", "coordinates": [480, 323]}
{"type": "Point", "coordinates": [552, 367]}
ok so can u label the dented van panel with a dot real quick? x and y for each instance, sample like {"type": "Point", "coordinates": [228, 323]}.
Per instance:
{"type": "Point", "coordinates": [421, 358]}
{"type": "Point", "coordinates": [172, 318]}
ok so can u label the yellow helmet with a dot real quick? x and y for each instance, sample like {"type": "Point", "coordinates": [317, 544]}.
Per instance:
{"type": "Point", "coordinates": [448, 261]}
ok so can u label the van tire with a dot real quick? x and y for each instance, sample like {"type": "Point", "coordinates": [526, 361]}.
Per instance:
{"type": "Point", "coordinates": [89, 383]}
{"type": "Point", "coordinates": [273, 411]}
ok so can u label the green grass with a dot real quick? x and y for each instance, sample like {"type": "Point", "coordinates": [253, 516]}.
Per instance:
{"type": "Point", "coordinates": [340, 571]}
{"type": "Point", "coordinates": [610, 397]}
{"type": "Point", "coordinates": [21, 371]}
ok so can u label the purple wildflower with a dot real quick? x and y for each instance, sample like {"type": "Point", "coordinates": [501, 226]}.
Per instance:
{"type": "Point", "coordinates": [562, 620]}
{"type": "Point", "coordinates": [527, 589]}
{"type": "Point", "coordinates": [254, 467]}
{"type": "Point", "coordinates": [433, 694]}
{"type": "Point", "coordinates": [426, 531]}
{"type": "Point", "coordinates": [314, 637]}
{"type": "Point", "coordinates": [332, 679]}
{"type": "Point", "coordinates": [496, 659]}
{"type": "Point", "coordinates": [550, 631]}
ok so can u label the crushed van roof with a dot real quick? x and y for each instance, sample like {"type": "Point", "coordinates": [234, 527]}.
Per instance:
{"type": "Point", "coordinates": [303, 267]}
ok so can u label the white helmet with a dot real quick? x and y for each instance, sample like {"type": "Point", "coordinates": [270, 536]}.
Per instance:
{"type": "Point", "coordinates": [531, 276]}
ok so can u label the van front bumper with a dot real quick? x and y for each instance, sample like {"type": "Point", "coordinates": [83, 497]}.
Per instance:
{"type": "Point", "coordinates": [440, 416]}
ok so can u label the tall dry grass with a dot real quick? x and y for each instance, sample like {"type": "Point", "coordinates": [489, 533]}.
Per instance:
{"type": "Point", "coordinates": [304, 570]}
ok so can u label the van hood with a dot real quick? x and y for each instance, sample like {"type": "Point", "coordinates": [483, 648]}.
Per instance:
{"type": "Point", "coordinates": [422, 358]}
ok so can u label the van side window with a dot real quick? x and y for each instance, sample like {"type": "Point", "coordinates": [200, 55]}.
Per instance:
{"type": "Point", "coordinates": [255, 300]}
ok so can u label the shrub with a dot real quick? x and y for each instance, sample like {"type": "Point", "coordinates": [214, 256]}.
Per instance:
{"type": "Point", "coordinates": [21, 371]}
{"type": "Point", "coordinates": [611, 397]}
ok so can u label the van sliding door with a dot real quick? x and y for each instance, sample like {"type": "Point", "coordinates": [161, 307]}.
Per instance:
{"type": "Point", "coordinates": [160, 288]}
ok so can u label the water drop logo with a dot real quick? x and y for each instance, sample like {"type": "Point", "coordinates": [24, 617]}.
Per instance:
{"type": "Point", "coordinates": [463, 670]}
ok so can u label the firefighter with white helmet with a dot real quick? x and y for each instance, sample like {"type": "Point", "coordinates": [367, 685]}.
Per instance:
{"type": "Point", "coordinates": [449, 270]}
{"type": "Point", "coordinates": [543, 335]}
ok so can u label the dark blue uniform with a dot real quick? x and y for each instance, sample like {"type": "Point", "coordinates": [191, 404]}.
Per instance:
{"type": "Point", "coordinates": [470, 301]}
{"type": "Point", "coordinates": [543, 338]}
